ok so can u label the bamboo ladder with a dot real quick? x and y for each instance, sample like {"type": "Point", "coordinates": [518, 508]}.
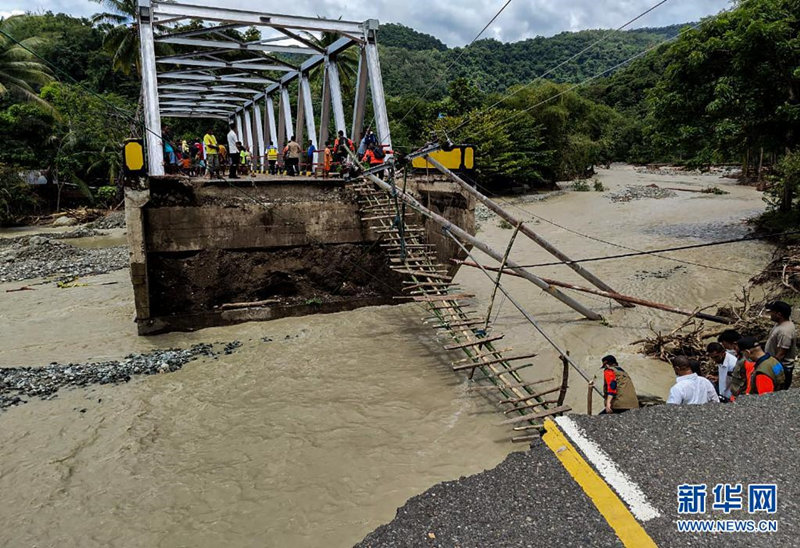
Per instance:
{"type": "Point", "coordinates": [428, 284]}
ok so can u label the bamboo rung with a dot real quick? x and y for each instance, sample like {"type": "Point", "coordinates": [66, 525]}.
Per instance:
{"type": "Point", "coordinates": [448, 297]}
{"type": "Point", "coordinates": [457, 325]}
{"type": "Point", "coordinates": [509, 370]}
{"type": "Point", "coordinates": [501, 360]}
{"type": "Point", "coordinates": [528, 427]}
{"type": "Point", "coordinates": [539, 414]}
{"type": "Point", "coordinates": [479, 342]}
{"type": "Point", "coordinates": [522, 439]}
{"type": "Point", "coordinates": [421, 274]}
{"type": "Point", "coordinates": [531, 406]}
{"type": "Point", "coordinates": [491, 354]}
{"type": "Point", "coordinates": [509, 385]}
{"type": "Point", "coordinates": [536, 395]}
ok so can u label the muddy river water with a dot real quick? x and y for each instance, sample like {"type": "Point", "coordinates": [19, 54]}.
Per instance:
{"type": "Point", "coordinates": [316, 429]}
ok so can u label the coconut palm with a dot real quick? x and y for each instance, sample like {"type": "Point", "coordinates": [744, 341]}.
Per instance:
{"type": "Point", "coordinates": [346, 60]}
{"type": "Point", "coordinates": [20, 70]}
{"type": "Point", "coordinates": [122, 34]}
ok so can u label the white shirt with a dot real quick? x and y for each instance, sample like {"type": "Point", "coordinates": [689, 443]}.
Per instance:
{"type": "Point", "coordinates": [724, 370]}
{"type": "Point", "coordinates": [692, 389]}
{"type": "Point", "coordinates": [232, 138]}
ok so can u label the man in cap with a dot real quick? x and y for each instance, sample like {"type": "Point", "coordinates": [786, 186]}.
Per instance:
{"type": "Point", "coordinates": [618, 390]}
{"type": "Point", "coordinates": [690, 388]}
{"type": "Point", "coordinates": [782, 340]}
{"type": "Point", "coordinates": [768, 373]}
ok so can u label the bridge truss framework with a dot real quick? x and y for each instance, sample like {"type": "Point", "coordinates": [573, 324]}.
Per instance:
{"type": "Point", "coordinates": [204, 81]}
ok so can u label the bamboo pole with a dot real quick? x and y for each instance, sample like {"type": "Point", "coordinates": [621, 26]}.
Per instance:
{"type": "Point", "coordinates": [538, 414]}
{"type": "Point", "coordinates": [469, 238]}
{"type": "Point", "coordinates": [501, 360]}
{"type": "Point", "coordinates": [553, 250]}
{"type": "Point", "coordinates": [589, 398]}
{"type": "Point", "coordinates": [562, 393]}
{"type": "Point", "coordinates": [615, 296]}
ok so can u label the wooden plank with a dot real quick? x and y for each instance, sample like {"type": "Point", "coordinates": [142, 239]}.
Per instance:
{"type": "Point", "coordinates": [501, 360]}
{"type": "Point", "coordinates": [521, 439]}
{"type": "Point", "coordinates": [479, 342]}
{"type": "Point", "coordinates": [462, 324]}
{"type": "Point", "coordinates": [538, 414]}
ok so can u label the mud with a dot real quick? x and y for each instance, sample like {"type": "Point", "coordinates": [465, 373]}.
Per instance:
{"type": "Point", "coordinates": [204, 280]}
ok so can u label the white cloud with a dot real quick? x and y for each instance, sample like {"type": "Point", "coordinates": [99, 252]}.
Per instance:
{"type": "Point", "coordinates": [456, 23]}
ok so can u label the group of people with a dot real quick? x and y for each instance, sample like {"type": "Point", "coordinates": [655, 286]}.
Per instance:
{"type": "Point", "coordinates": [206, 156]}
{"type": "Point", "coordinates": [744, 365]}
{"type": "Point", "coordinates": [209, 157]}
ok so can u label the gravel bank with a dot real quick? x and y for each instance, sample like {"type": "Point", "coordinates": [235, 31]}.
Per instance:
{"type": "Point", "coordinates": [17, 383]}
{"type": "Point", "coordinates": [30, 257]}
{"type": "Point", "coordinates": [641, 192]}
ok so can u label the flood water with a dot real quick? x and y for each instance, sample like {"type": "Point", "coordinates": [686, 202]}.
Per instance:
{"type": "Point", "coordinates": [318, 428]}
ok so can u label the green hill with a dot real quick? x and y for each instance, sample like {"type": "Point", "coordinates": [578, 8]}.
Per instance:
{"type": "Point", "coordinates": [410, 68]}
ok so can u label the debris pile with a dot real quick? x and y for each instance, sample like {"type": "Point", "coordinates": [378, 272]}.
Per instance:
{"type": "Point", "coordinates": [639, 192]}
{"type": "Point", "coordinates": [115, 219]}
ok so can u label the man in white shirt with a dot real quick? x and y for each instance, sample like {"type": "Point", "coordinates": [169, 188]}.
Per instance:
{"type": "Point", "coordinates": [689, 387]}
{"type": "Point", "coordinates": [233, 153]}
{"type": "Point", "coordinates": [726, 362]}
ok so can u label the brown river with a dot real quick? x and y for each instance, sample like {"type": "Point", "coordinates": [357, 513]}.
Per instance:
{"type": "Point", "coordinates": [318, 428]}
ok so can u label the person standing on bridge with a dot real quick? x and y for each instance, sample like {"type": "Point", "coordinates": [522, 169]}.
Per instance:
{"type": "Point", "coordinates": [212, 153]}
{"type": "Point", "coordinates": [619, 394]}
{"type": "Point", "coordinates": [690, 388]}
{"type": "Point", "coordinates": [233, 153]}
{"type": "Point", "coordinates": [272, 158]}
{"type": "Point", "coordinates": [293, 153]}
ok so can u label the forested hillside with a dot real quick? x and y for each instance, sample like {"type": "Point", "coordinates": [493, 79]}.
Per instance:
{"type": "Point", "coordinates": [725, 91]}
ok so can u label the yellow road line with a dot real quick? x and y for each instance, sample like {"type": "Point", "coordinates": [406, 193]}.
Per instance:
{"type": "Point", "coordinates": [629, 531]}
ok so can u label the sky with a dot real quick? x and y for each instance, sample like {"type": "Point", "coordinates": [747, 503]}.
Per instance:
{"type": "Point", "coordinates": [455, 23]}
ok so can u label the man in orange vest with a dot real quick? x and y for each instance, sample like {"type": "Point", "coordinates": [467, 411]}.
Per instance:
{"type": "Point", "coordinates": [768, 373]}
{"type": "Point", "coordinates": [619, 394]}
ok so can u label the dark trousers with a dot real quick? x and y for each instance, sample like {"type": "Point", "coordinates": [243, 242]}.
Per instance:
{"type": "Point", "coordinates": [234, 165]}
{"type": "Point", "coordinates": [292, 167]}
{"type": "Point", "coordinates": [273, 167]}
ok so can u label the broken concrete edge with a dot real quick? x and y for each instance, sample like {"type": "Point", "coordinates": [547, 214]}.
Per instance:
{"type": "Point", "coordinates": [176, 216]}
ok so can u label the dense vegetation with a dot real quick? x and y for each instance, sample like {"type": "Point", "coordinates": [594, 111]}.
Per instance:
{"type": "Point", "coordinates": [725, 90]}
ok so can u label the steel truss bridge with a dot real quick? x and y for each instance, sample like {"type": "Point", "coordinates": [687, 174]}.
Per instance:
{"type": "Point", "coordinates": [243, 81]}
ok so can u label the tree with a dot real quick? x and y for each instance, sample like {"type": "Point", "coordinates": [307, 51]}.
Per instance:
{"type": "Point", "coordinates": [122, 34]}
{"type": "Point", "coordinates": [731, 88]}
{"type": "Point", "coordinates": [20, 71]}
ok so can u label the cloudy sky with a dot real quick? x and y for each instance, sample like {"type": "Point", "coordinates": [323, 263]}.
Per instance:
{"type": "Point", "coordinates": [455, 22]}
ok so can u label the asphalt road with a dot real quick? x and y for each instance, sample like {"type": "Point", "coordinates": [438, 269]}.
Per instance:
{"type": "Point", "coordinates": [530, 500]}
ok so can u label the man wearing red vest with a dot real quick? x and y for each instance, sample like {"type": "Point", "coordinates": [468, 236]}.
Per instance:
{"type": "Point", "coordinates": [768, 374]}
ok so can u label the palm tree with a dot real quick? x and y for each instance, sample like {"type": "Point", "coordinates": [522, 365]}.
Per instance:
{"type": "Point", "coordinates": [20, 70]}
{"type": "Point", "coordinates": [122, 35]}
{"type": "Point", "coordinates": [346, 60]}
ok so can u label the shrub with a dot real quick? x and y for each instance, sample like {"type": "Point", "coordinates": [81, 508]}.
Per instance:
{"type": "Point", "coordinates": [16, 196]}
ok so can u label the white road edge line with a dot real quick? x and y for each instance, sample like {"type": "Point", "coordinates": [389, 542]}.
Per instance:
{"type": "Point", "coordinates": [628, 491]}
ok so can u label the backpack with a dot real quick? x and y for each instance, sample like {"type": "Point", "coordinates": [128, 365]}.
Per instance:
{"type": "Point", "coordinates": [379, 153]}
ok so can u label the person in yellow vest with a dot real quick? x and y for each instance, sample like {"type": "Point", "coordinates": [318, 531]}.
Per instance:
{"type": "Point", "coordinates": [272, 158]}
{"type": "Point", "coordinates": [619, 394]}
{"type": "Point", "coordinates": [212, 153]}
{"type": "Point", "coordinates": [244, 159]}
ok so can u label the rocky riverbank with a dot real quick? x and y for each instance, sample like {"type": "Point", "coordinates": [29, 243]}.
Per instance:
{"type": "Point", "coordinates": [40, 256]}
{"type": "Point", "coordinates": [17, 383]}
